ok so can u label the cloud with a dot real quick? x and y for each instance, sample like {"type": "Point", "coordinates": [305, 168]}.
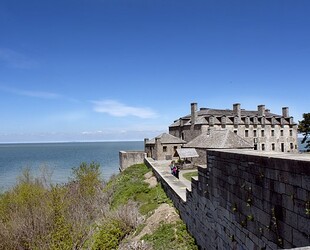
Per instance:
{"type": "Point", "coordinates": [31, 93]}
{"type": "Point", "coordinates": [13, 59]}
{"type": "Point", "coordinates": [118, 109]}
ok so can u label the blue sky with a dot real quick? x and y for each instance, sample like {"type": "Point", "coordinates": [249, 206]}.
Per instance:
{"type": "Point", "coordinates": [126, 69]}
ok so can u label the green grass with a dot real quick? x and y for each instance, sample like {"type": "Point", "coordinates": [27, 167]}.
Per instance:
{"type": "Point", "coordinates": [129, 185]}
{"type": "Point", "coordinates": [53, 215]}
{"type": "Point", "coordinates": [189, 175]}
{"type": "Point", "coordinates": [171, 236]}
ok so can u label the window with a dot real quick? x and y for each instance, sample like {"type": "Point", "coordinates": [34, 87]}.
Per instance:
{"type": "Point", "coordinates": [175, 151]}
{"type": "Point", "coordinates": [273, 146]}
{"type": "Point", "coordinates": [235, 131]}
{"type": "Point", "coordinates": [246, 134]}
{"type": "Point", "coordinates": [282, 147]}
{"type": "Point", "coordinates": [272, 132]}
{"type": "Point", "coordinates": [291, 132]}
{"type": "Point", "coordinates": [254, 131]}
{"type": "Point", "coordinates": [263, 133]}
{"type": "Point", "coordinates": [263, 147]}
{"type": "Point", "coordinates": [292, 145]}
{"type": "Point", "coordinates": [164, 148]}
{"type": "Point", "coordinates": [236, 120]}
{"type": "Point", "coordinates": [255, 146]}
{"type": "Point", "coordinates": [281, 132]}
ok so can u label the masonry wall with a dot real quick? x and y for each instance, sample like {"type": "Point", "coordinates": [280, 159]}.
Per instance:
{"type": "Point", "coordinates": [248, 201]}
{"type": "Point", "coordinates": [129, 158]}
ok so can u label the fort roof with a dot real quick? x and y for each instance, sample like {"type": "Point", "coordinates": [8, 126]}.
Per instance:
{"type": "Point", "coordinates": [218, 139]}
{"type": "Point", "coordinates": [166, 139]}
{"type": "Point", "coordinates": [203, 115]}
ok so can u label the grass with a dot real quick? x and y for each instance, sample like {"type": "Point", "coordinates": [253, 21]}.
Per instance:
{"type": "Point", "coordinates": [85, 213]}
{"type": "Point", "coordinates": [129, 185]}
{"type": "Point", "coordinates": [171, 236]}
{"type": "Point", "coordinates": [189, 175]}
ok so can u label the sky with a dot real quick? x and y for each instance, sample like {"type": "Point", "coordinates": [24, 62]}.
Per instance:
{"type": "Point", "coordinates": [100, 70]}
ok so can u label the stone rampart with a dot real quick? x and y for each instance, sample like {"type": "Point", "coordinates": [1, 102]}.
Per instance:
{"type": "Point", "coordinates": [129, 158]}
{"type": "Point", "coordinates": [248, 200]}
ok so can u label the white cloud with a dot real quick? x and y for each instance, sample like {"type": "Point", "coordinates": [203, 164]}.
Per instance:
{"type": "Point", "coordinates": [15, 59]}
{"type": "Point", "coordinates": [30, 93]}
{"type": "Point", "coordinates": [118, 109]}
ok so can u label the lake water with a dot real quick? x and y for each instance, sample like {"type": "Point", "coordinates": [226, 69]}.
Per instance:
{"type": "Point", "coordinates": [301, 147]}
{"type": "Point", "coordinates": [60, 158]}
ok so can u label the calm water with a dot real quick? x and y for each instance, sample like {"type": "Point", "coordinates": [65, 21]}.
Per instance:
{"type": "Point", "coordinates": [60, 158]}
{"type": "Point", "coordinates": [301, 147]}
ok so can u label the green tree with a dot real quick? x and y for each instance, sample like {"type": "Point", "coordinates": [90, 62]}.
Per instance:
{"type": "Point", "coordinates": [304, 128]}
{"type": "Point", "coordinates": [88, 176]}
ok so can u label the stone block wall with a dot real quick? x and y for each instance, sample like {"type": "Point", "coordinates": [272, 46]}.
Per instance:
{"type": "Point", "coordinates": [129, 158]}
{"type": "Point", "coordinates": [248, 200]}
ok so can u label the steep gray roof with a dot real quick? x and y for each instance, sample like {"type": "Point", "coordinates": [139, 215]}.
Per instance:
{"type": "Point", "coordinates": [218, 139]}
{"type": "Point", "coordinates": [187, 153]}
{"type": "Point", "coordinates": [229, 112]}
{"type": "Point", "coordinates": [167, 139]}
{"type": "Point", "coordinates": [204, 114]}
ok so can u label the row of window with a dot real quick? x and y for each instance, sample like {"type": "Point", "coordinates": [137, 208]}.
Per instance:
{"type": "Point", "coordinates": [273, 146]}
{"type": "Point", "coordinates": [165, 148]}
{"type": "Point", "coordinates": [246, 133]}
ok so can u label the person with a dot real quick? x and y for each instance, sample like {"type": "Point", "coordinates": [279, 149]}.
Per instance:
{"type": "Point", "coordinates": [177, 171]}
{"type": "Point", "coordinates": [172, 165]}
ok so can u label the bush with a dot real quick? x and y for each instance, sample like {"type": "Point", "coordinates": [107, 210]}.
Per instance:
{"type": "Point", "coordinates": [34, 215]}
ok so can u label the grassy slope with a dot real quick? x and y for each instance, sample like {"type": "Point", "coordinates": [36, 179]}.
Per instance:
{"type": "Point", "coordinates": [86, 213]}
{"type": "Point", "coordinates": [129, 185]}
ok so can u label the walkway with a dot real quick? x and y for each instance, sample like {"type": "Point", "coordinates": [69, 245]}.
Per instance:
{"type": "Point", "coordinates": [178, 185]}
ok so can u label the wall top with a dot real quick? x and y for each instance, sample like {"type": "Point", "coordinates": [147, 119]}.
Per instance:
{"type": "Point", "coordinates": [268, 154]}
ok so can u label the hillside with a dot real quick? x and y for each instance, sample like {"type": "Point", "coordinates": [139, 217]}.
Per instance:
{"type": "Point", "coordinates": [130, 211]}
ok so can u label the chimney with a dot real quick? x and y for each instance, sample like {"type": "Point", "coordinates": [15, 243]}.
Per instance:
{"type": "Point", "coordinates": [261, 110]}
{"type": "Point", "coordinates": [193, 112]}
{"type": "Point", "coordinates": [237, 110]}
{"type": "Point", "coordinates": [285, 112]}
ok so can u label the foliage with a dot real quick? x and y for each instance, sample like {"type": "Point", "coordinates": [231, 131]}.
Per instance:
{"type": "Point", "coordinates": [34, 215]}
{"type": "Point", "coordinates": [61, 237]}
{"type": "Point", "coordinates": [189, 175]}
{"type": "Point", "coordinates": [85, 213]}
{"type": "Point", "coordinates": [171, 236]}
{"type": "Point", "coordinates": [304, 128]}
{"type": "Point", "coordinates": [130, 185]}
{"type": "Point", "coordinates": [109, 234]}
{"type": "Point", "coordinates": [88, 176]}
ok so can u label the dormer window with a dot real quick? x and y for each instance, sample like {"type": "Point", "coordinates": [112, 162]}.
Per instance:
{"type": "Point", "coordinates": [247, 120]}
{"type": "Point", "coordinates": [236, 120]}
{"type": "Point", "coordinates": [273, 121]}
{"type": "Point", "coordinates": [291, 120]}
{"type": "Point", "coordinates": [211, 120]}
{"type": "Point", "coordinates": [223, 121]}
{"type": "Point", "coordinates": [255, 120]}
{"type": "Point", "coordinates": [262, 121]}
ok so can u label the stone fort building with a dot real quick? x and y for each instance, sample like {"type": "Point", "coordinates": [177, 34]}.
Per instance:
{"type": "Point", "coordinates": [264, 130]}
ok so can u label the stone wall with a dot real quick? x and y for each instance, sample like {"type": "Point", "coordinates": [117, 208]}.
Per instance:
{"type": "Point", "coordinates": [248, 200]}
{"type": "Point", "coordinates": [128, 158]}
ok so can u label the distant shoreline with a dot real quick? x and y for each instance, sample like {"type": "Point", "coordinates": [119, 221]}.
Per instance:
{"type": "Point", "coordinates": [54, 142]}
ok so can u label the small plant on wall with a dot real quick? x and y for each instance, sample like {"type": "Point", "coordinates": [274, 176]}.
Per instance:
{"type": "Point", "coordinates": [307, 210]}
{"type": "Point", "coordinates": [234, 208]}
